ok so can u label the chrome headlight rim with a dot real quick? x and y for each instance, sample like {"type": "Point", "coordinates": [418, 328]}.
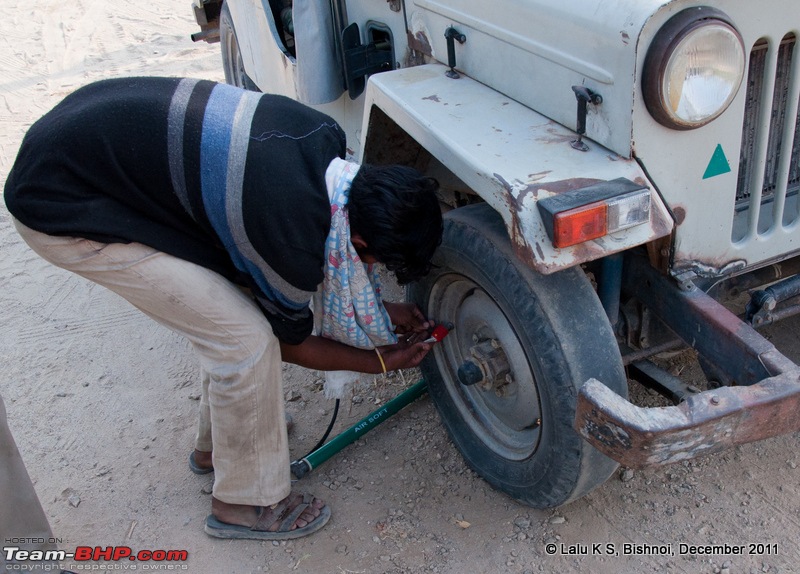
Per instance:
{"type": "Point", "coordinates": [660, 52]}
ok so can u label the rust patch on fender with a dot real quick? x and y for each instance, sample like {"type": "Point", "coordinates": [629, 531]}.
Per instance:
{"type": "Point", "coordinates": [521, 247]}
{"type": "Point", "coordinates": [433, 98]}
{"type": "Point", "coordinates": [564, 185]}
{"type": "Point", "coordinates": [537, 176]}
{"type": "Point", "coordinates": [556, 135]}
{"type": "Point", "coordinates": [515, 201]}
{"type": "Point", "coordinates": [419, 42]}
{"type": "Point", "coordinates": [680, 214]}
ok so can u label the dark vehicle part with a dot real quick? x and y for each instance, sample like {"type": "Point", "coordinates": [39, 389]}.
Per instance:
{"type": "Point", "coordinates": [206, 14]}
{"type": "Point", "coordinates": [362, 60]}
{"type": "Point", "coordinates": [452, 35]}
{"type": "Point", "coordinates": [766, 403]}
{"type": "Point", "coordinates": [654, 377]}
{"type": "Point", "coordinates": [513, 426]}
{"type": "Point", "coordinates": [763, 302]}
{"type": "Point", "coordinates": [232, 62]}
{"type": "Point", "coordinates": [584, 96]}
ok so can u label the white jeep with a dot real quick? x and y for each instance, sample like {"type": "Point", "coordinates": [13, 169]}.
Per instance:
{"type": "Point", "coordinates": [615, 173]}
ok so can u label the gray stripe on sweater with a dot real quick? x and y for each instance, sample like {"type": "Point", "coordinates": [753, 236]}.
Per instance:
{"type": "Point", "coordinates": [175, 121]}
{"type": "Point", "coordinates": [237, 158]}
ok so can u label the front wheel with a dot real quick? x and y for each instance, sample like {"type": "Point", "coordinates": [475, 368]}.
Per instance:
{"type": "Point", "coordinates": [232, 62]}
{"type": "Point", "coordinates": [505, 380]}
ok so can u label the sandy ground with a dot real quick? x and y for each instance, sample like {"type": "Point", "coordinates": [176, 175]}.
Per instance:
{"type": "Point", "coordinates": [103, 401]}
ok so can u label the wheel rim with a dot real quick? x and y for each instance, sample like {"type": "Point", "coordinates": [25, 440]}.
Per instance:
{"type": "Point", "coordinates": [234, 58]}
{"type": "Point", "coordinates": [505, 418]}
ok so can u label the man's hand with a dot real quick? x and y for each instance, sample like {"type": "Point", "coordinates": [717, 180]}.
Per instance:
{"type": "Point", "coordinates": [404, 355]}
{"type": "Point", "coordinates": [407, 318]}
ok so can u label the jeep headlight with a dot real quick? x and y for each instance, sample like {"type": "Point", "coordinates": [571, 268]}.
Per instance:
{"type": "Point", "coordinates": [693, 68]}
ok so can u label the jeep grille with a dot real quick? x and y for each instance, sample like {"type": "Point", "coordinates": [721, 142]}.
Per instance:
{"type": "Point", "coordinates": [766, 139]}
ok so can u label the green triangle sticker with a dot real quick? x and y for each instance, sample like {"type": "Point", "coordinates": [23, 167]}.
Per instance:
{"type": "Point", "coordinates": [718, 164]}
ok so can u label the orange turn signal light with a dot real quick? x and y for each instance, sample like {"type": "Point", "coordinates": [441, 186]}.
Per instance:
{"type": "Point", "coordinates": [580, 224]}
{"type": "Point", "coordinates": [592, 212]}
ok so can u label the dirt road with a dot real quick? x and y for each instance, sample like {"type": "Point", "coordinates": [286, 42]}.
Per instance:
{"type": "Point", "coordinates": [102, 402]}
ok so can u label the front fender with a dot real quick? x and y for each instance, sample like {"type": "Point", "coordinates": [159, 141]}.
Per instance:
{"type": "Point", "coordinates": [509, 155]}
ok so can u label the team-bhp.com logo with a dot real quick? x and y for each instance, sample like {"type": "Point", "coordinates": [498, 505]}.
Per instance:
{"type": "Point", "coordinates": [95, 558]}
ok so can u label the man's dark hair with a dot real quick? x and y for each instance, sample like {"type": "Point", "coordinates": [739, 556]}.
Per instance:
{"type": "Point", "coordinates": [395, 210]}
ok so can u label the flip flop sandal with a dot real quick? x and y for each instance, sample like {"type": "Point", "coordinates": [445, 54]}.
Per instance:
{"type": "Point", "coordinates": [195, 468]}
{"type": "Point", "coordinates": [282, 511]}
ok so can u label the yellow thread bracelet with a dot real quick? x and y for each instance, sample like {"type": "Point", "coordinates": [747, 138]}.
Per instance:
{"type": "Point", "coordinates": [380, 358]}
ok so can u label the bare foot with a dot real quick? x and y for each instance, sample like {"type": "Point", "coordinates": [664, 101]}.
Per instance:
{"type": "Point", "coordinates": [240, 514]}
{"type": "Point", "coordinates": [203, 459]}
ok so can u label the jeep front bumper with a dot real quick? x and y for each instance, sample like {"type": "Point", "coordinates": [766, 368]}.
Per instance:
{"type": "Point", "coordinates": [764, 402]}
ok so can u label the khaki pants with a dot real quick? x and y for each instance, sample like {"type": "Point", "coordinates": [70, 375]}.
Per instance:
{"type": "Point", "coordinates": [241, 407]}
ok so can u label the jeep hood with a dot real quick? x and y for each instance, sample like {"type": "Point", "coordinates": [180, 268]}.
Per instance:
{"type": "Point", "coordinates": [534, 51]}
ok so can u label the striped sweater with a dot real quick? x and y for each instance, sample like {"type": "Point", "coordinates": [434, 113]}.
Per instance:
{"type": "Point", "coordinates": [228, 179]}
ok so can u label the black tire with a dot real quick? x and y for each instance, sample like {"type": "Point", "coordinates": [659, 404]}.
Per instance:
{"type": "Point", "coordinates": [554, 334]}
{"type": "Point", "coordinates": [232, 63]}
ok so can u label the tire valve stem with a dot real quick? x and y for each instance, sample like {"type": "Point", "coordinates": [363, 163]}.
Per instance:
{"type": "Point", "coordinates": [536, 424]}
